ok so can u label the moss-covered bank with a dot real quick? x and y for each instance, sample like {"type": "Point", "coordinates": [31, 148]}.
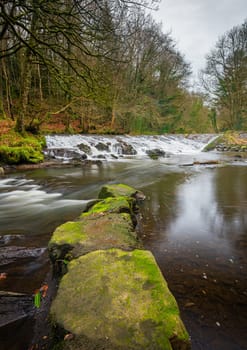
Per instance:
{"type": "Point", "coordinates": [229, 142]}
{"type": "Point", "coordinates": [113, 296]}
{"type": "Point", "coordinates": [18, 149]}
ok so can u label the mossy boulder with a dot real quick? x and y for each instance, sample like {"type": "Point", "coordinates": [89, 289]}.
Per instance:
{"type": "Point", "coordinates": [117, 190]}
{"type": "Point", "coordinates": [94, 230]}
{"type": "Point", "coordinates": [213, 144]}
{"type": "Point", "coordinates": [119, 204]}
{"type": "Point", "coordinates": [113, 299]}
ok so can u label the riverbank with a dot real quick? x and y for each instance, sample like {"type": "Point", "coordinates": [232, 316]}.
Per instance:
{"type": "Point", "coordinates": [29, 151]}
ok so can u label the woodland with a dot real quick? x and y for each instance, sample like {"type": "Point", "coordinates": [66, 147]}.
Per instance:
{"type": "Point", "coordinates": [105, 66]}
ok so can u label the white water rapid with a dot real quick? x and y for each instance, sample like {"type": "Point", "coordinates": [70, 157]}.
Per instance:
{"type": "Point", "coordinates": [69, 147]}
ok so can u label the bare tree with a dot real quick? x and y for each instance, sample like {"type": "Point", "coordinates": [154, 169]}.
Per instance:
{"type": "Point", "coordinates": [225, 76]}
{"type": "Point", "coordinates": [65, 37]}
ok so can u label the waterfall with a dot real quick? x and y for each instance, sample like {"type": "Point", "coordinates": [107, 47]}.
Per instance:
{"type": "Point", "coordinates": [67, 147]}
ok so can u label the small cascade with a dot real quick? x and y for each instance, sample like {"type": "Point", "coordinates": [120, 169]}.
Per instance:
{"type": "Point", "coordinates": [80, 147]}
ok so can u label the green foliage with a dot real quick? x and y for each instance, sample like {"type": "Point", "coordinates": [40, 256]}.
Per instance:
{"type": "Point", "coordinates": [121, 74]}
{"type": "Point", "coordinates": [17, 149]}
{"type": "Point", "coordinates": [211, 146]}
{"type": "Point", "coordinates": [20, 155]}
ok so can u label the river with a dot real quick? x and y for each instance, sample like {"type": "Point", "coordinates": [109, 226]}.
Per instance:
{"type": "Point", "coordinates": [194, 220]}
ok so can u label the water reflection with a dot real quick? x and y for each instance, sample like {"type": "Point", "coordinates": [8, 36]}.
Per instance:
{"type": "Point", "coordinates": [194, 221]}
{"type": "Point", "coordinates": [200, 245]}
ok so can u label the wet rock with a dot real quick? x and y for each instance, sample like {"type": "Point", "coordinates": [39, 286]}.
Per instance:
{"type": "Point", "coordinates": [114, 156]}
{"type": "Point", "coordinates": [125, 148]}
{"type": "Point", "coordinates": [85, 148]}
{"type": "Point", "coordinates": [14, 306]}
{"type": "Point", "coordinates": [12, 253]}
{"type": "Point", "coordinates": [117, 190]}
{"type": "Point", "coordinates": [89, 162]}
{"type": "Point", "coordinates": [6, 239]}
{"type": "Point", "coordinates": [100, 156]}
{"type": "Point", "coordinates": [156, 153]}
{"type": "Point", "coordinates": [119, 204]}
{"type": "Point", "coordinates": [118, 300]}
{"type": "Point", "coordinates": [102, 147]}
{"type": "Point", "coordinates": [65, 154]}
{"type": "Point", "coordinates": [207, 162]}
{"type": "Point", "coordinates": [95, 230]}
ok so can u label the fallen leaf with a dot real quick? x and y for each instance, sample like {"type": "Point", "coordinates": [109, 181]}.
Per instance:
{"type": "Point", "coordinates": [68, 336]}
{"type": "Point", "coordinates": [189, 304]}
{"type": "Point", "coordinates": [3, 275]}
{"type": "Point", "coordinates": [44, 289]}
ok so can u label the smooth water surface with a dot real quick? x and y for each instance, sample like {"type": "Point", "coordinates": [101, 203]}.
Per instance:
{"type": "Point", "coordinates": [194, 222]}
{"type": "Point", "coordinates": [197, 230]}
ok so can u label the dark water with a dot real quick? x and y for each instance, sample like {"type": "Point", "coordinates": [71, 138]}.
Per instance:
{"type": "Point", "coordinates": [194, 222]}
{"type": "Point", "coordinates": [197, 230]}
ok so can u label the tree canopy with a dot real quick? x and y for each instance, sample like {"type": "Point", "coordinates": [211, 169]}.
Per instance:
{"type": "Point", "coordinates": [103, 65]}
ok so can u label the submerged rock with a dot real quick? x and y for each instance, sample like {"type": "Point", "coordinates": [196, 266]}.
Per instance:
{"type": "Point", "coordinates": [12, 253]}
{"type": "Point", "coordinates": [115, 299]}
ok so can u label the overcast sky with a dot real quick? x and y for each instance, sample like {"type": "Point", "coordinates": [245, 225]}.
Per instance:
{"type": "Point", "coordinates": [197, 24]}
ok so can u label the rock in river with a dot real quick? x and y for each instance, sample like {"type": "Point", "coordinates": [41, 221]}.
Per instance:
{"type": "Point", "coordinates": [113, 299]}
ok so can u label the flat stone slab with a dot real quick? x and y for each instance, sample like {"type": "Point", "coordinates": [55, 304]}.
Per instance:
{"type": "Point", "coordinates": [113, 299]}
{"type": "Point", "coordinates": [117, 190]}
{"type": "Point", "coordinates": [120, 204]}
{"type": "Point", "coordinates": [95, 230]}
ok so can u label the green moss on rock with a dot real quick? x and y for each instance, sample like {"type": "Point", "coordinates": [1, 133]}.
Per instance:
{"type": "Point", "coordinates": [116, 190]}
{"type": "Point", "coordinates": [20, 154]}
{"type": "Point", "coordinates": [95, 230]}
{"type": "Point", "coordinates": [212, 145]}
{"type": "Point", "coordinates": [69, 233]}
{"type": "Point", "coordinates": [113, 205]}
{"type": "Point", "coordinates": [119, 298]}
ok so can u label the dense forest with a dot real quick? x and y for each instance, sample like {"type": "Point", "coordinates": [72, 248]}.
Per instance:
{"type": "Point", "coordinates": [107, 67]}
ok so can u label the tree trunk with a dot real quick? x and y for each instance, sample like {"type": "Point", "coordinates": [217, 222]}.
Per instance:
{"type": "Point", "coordinates": [25, 89]}
{"type": "Point", "coordinates": [5, 75]}
{"type": "Point", "coordinates": [113, 118]}
{"type": "Point", "coordinates": [27, 73]}
{"type": "Point", "coordinates": [40, 84]}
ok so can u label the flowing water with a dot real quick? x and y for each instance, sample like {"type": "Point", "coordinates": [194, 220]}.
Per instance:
{"type": "Point", "coordinates": [194, 222]}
